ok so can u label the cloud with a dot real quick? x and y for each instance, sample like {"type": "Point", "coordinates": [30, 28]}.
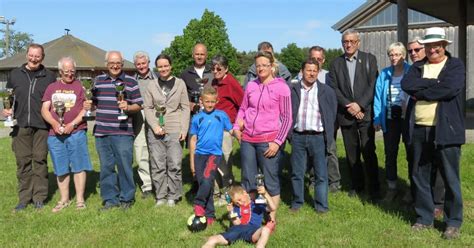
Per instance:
{"type": "Point", "coordinates": [163, 39]}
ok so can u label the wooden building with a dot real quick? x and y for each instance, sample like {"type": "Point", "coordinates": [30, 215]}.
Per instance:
{"type": "Point", "coordinates": [376, 21]}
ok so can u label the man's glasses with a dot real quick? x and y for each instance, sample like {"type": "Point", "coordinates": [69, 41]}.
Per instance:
{"type": "Point", "coordinates": [417, 50]}
{"type": "Point", "coordinates": [352, 42]}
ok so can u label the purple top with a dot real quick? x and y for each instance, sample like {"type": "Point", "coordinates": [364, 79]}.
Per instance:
{"type": "Point", "coordinates": [72, 95]}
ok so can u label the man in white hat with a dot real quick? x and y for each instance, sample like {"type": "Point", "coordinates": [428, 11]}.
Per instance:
{"type": "Point", "coordinates": [436, 129]}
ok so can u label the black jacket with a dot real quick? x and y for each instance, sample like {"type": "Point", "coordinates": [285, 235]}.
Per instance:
{"type": "Point", "coordinates": [447, 90]}
{"type": "Point", "coordinates": [28, 95]}
{"type": "Point", "coordinates": [364, 85]}
{"type": "Point", "coordinates": [327, 107]}
{"type": "Point", "coordinates": [189, 75]}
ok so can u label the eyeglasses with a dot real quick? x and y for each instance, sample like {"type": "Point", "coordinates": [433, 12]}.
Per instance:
{"type": "Point", "coordinates": [434, 46]}
{"type": "Point", "coordinates": [71, 72]}
{"type": "Point", "coordinates": [216, 69]}
{"type": "Point", "coordinates": [263, 66]}
{"type": "Point", "coordinates": [352, 42]}
{"type": "Point", "coordinates": [114, 63]}
{"type": "Point", "coordinates": [416, 50]}
{"type": "Point", "coordinates": [395, 55]}
{"type": "Point", "coordinates": [163, 66]}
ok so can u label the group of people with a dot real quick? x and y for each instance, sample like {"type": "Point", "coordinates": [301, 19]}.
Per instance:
{"type": "Point", "coordinates": [206, 107]}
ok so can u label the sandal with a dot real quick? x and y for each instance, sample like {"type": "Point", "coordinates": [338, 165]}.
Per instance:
{"type": "Point", "coordinates": [81, 205]}
{"type": "Point", "coordinates": [60, 206]}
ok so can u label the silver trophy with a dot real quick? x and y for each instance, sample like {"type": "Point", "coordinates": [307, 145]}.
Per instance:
{"type": "Point", "coordinates": [260, 199]}
{"type": "Point", "coordinates": [60, 109]}
{"type": "Point", "coordinates": [197, 93]}
{"type": "Point", "coordinates": [8, 103]}
{"type": "Point", "coordinates": [228, 199]}
{"type": "Point", "coordinates": [120, 88]}
{"type": "Point", "coordinates": [88, 85]}
{"type": "Point", "coordinates": [160, 115]}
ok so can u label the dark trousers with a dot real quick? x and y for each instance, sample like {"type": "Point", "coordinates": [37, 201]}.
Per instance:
{"type": "Point", "coordinates": [31, 151]}
{"type": "Point", "coordinates": [427, 155]}
{"type": "Point", "coordinates": [391, 140]}
{"type": "Point", "coordinates": [360, 138]}
{"type": "Point", "coordinates": [206, 169]}
{"type": "Point", "coordinates": [334, 174]}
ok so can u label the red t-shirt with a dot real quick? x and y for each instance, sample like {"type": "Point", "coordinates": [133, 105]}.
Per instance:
{"type": "Point", "coordinates": [72, 95]}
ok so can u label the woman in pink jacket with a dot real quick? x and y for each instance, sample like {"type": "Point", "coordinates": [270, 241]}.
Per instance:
{"type": "Point", "coordinates": [262, 124]}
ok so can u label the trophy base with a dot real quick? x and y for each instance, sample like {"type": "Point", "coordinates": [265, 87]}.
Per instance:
{"type": "Point", "coordinates": [9, 123]}
{"type": "Point", "coordinates": [260, 201]}
{"type": "Point", "coordinates": [122, 117]}
{"type": "Point", "coordinates": [88, 118]}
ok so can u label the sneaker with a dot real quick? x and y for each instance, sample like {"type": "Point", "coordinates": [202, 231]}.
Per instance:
{"type": "Point", "coordinates": [451, 233]}
{"type": "Point", "coordinates": [20, 207]}
{"type": "Point", "coordinates": [420, 227]}
{"type": "Point", "coordinates": [438, 213]}
{"type": "Point", "coordinates": [38, 205]}
{"type": "Point", "coordinates": [199, 210]}
{"type": "Point", "coordinates": [160, 202]}
{"type": "Point", "coordinates": [108, 206]}
{"type": "Point", "coordinates": [171, 203]}
{"type": "Point", "coordinates": [147, 194]}
{"type": "Point", "coordinates": [126, 205]}
{"type": "Point", "coordinates": [333, 188]}
{"type": "Point", "coordinates": [210, 221]}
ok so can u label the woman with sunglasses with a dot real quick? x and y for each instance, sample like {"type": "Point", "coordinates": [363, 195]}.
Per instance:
{"type": "Point", "coordinates": [229, 98]}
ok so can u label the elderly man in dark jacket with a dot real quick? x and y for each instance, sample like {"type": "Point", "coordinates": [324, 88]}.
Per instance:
{"type": "Point", "coordinates": [314, 107]}
{"type": "Point", "coordinates": [436, 129]}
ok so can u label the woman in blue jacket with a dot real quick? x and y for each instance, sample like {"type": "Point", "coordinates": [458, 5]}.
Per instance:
{"type": "Point", "coordinates": [389, 110]}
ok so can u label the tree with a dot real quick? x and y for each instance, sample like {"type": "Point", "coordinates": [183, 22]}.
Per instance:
{"type": "Point", "coordinates": [292, 56]}
{"type": "Point", "coordinates": [209, 30]}
{"type": "Point", "coordinates": [19, 41]}
{"type": "Point", "coordinates": [245, 60]}
{"type": "Point", "coordinates": [330, 55]}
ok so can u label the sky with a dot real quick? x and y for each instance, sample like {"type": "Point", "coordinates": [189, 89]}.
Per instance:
{"type": "Point", "coordinates": [133, 25]}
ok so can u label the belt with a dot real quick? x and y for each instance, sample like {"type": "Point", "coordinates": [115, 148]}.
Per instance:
{"type": "Point", "coordinates": [308, 132]}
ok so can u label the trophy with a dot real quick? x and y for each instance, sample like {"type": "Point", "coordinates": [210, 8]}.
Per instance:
{"type": "Point", "coordinates": [260, 199]}
{"type": "Point", "coordinates": [8, 102]}
{"type": "Point", "coordinates": [232, 214]}
{"type": "Point", "coordinates": [160, 115]}
{"type": "Point", "coordinates": [120, 87]}
{"type": "Point", "coordinates": [197, 93]}
{"type": "Point", "coordinates": [60, 108]}
{"type": "Point", "coordinates": [88, 85]}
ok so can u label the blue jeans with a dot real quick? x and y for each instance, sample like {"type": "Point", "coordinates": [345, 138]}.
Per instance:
{"type": "Point", "coordinates": [206, 170]}
{"type": "Point", "coordinates": [116, 150]}
{"type": "Point", "coordinates": [427, 155]}
{"type": "Point", "coordinates": [312, 145]}
{"type": "Point", "coordinates": [252, 159]}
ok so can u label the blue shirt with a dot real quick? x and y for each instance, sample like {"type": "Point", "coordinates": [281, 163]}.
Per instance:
{"type": "Point", "coordinates": [209, 129]}
{"type": "Point", "coordinates": [256, 212]}
{"type": "Point", "coordinates": [105, 97]}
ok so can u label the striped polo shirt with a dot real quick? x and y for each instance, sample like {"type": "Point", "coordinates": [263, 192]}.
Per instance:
{"type": "Point", "coordinates": [107, 112]}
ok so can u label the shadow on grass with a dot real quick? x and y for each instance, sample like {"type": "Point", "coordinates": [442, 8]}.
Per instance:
{"type": "Point", "coordinates": [92, 181]}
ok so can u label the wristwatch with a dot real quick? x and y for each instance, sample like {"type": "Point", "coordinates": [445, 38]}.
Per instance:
{"type": "Point", "coordinates": [74, 125]}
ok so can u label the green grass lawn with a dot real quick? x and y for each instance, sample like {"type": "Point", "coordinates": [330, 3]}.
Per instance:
{"type": "Point", "coordinates": [351, 221]}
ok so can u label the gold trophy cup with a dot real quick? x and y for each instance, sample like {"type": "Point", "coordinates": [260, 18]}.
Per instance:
{"type": "Point", "coordinates": [160, 115]}
{"type": "Point", "coordinates": [8, 103]}
{"type": "Point", "coordinates": [88, 85]}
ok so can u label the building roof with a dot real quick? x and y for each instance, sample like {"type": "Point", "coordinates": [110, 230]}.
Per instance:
{"type": "Point", "coordinates": [447, 10]}
{"type": "Point", "coordinates": [87, 56]}
{"type": "Point", "coordinates": [367, 10]}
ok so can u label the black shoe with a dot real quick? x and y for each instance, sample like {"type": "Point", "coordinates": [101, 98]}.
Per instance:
{"type": "Point", "coordinates": [147, 194]}
{"type": "Point", "coordinates": [20, 207]}
{"type": "Point", "coordinates": [109, 206]}
{"type": "Point", "coordinates": [126, 205]}
{"type": "Point", "coordinates": [38, 205]}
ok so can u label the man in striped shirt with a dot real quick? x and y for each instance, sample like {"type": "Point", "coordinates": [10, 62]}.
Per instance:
{"type": "Point", "coordinates": [114, 136]}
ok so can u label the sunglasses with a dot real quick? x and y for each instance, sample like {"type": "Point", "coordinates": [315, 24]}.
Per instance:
{"type": "Point", "coordinates": [416, 50]}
